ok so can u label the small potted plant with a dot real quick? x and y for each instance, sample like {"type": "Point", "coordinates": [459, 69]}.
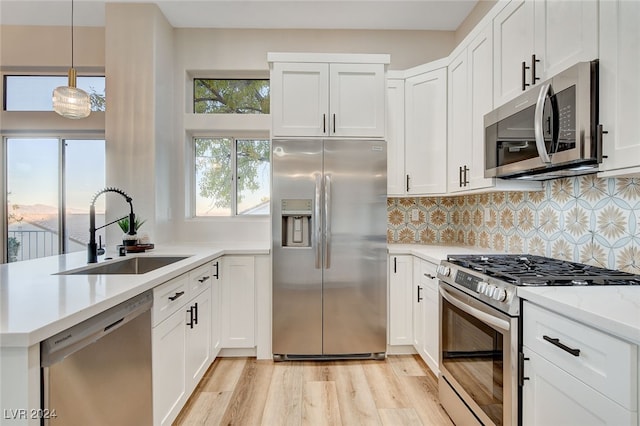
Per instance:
{"type": "Point", "coordinates": [127, 239]}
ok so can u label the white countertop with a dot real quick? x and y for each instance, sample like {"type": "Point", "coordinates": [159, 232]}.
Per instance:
{"type": "Point", "coordinates": [613, 309]}
{"type": "Point", "coordinates": [36, 304]}
{"type": "Point", "coordinates": [434, 253]}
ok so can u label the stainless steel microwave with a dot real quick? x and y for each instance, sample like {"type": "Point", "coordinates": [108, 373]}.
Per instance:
{"type": "Point", "coordinates": [549, 131]}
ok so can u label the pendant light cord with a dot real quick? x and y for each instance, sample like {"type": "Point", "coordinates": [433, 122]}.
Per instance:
{"type": "Point", "coordinates": [71, 33]}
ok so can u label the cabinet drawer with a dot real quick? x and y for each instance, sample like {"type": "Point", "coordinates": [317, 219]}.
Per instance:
{"type": "Point", "coordinates": [199, 278]}
{"type": "Point", "coordinates": [603, 362]}
{"type": "Point", "coordinates": [168, 297]}
{"type": "Point", "coordinates": [428, 274]}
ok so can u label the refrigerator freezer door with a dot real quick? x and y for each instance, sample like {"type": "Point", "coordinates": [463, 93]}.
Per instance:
{"type": "Point", "coordinates": [355, 255]}
{"type": "Point", "coordinates": [297, 271]}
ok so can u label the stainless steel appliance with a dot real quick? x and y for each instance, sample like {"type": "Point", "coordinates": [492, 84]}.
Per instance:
{"type": "Point", "coordinates": [481, 361]}
{"type": "Point", "coordinates": [549, 131]}
{"type": "Point", "coordinates": [99, 371]}
{"type": "Point", "coordinates": [329, 248]}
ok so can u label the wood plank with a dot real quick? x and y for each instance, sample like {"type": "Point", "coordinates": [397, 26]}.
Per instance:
{"type": "Point", "coordinates": [283, 405]}
{"type": "Point", "coordinates": [250, 394]}
{"type": "Point", "coordinates": [357, 406]}
{"type": "Point", "coordinates": [399, 416]}
{"type": "Point", "coordinates": [204, 408]}
{"type": "Point", "coordinates": [423, 393]}
{"type": "Point", "coordinates": [385, 386]}
{"type": "Point", "coordinates": [407, 365]}
{"type": "Point", "coordinates": [223, 375]}
{"type": "Point", "coordinates": [320, 404]}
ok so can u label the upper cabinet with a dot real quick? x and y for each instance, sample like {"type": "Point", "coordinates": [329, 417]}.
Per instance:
{"type": "Point", "coordinates": [535, 39]}
{"type": "Point", "coordinates": [332, 95]}
{"type": "Point", "coordinates": [619, 88]}
{"type": "Point", "coordinates": [395, 135]}
{"type": "Point", "coordinates": [426, 132]}
{"type": "Point", "coordinates": [470, 97]}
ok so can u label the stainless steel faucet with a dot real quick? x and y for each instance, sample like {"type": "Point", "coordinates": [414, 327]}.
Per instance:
{"type": "Point", "coordinates": [92, 247]}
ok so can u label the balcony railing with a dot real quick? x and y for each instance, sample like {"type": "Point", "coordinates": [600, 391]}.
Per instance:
{"type": "Point", "coordinates": [25, 245]}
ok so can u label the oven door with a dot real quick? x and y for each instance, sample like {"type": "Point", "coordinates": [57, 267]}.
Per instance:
{"type": "Point", "coordinates": [478, 360]}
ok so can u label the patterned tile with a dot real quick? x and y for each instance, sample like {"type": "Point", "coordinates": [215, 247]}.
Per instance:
{"type": "Point", "coordinates": [585, 219]}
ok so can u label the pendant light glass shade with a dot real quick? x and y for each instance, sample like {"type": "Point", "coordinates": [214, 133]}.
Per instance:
{"type": "Point", "coordinates": [71, 102]}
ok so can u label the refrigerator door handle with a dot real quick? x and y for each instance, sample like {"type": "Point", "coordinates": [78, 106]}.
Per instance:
{"type": "Point", "coordinates": [327, 221]}
{"type": "Point", "coordinates": [317, 224]}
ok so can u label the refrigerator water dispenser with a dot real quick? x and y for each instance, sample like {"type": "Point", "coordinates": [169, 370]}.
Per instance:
{"type": "Point", "coordinates": [296, 223]}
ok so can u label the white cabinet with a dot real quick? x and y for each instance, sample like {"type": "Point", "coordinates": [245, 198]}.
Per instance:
{"type": "Point", "coordinates": [535, 39]}
{"type": "Point", "coordinates": [426, 132]}
{"type": "Point", "coordinates": [575, 374]}
{"type": "Point", "coordinates": [198, 323]}
{"type": "Point", "coordinates": [470, 98]}
{"type": "Point", "coordinates": [181, 340]}
{"type": "Point", "coordinates": [168, 360]}
{"type": "Point", "coordinates": [395, 136]}
{"type": "Point", "coordinates": [238, 302]}
{"type": "Point", "coordinates": [401, 300]}
{"type": "Point", "coordinates": [426, 317]}
{"type": "Point", "coordinates": [216, 304]}
{"type": "Point", "coordinates": [619, 88]}
{"type": "Point", "coordinates": [327, 99]}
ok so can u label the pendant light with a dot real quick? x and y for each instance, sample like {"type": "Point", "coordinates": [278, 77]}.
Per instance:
{"type": "Point", "coordinates": [69, 101]}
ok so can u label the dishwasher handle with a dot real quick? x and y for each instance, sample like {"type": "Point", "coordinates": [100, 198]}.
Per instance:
{"type": "Point", "coordinates": [59, 346]}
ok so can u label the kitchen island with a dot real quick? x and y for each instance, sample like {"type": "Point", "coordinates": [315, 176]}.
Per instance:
{"type": "Point", "coordinates": [37, 302]}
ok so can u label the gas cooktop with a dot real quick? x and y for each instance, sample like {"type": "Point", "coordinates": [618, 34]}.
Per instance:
{"type": "Point", "coordinates": [530, 270]}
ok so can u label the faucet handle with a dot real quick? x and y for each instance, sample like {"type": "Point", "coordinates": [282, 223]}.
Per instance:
{"type": "Point", "coordinates": [100, 250]}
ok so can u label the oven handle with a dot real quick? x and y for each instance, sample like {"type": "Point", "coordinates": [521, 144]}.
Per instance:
{"type": "Point", "coordinates": [498, 323]}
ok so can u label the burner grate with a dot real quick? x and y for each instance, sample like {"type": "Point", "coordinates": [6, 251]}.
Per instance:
{"type": "Point", "coordinates": [530, 270]}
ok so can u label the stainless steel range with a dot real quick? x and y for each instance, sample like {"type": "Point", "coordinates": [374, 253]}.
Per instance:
{"type": "Point", "coordinates": [480, 328]}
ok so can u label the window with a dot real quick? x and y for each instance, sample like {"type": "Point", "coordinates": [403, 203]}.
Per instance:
{"type": "Point", "coordinates": [232, 176]}
{"type": "Point", "coordinates": [49, 179]}
{"type": "Point", "coordinates": [33, 92]}
{"type": "Point", "coordinates": [217, 96]}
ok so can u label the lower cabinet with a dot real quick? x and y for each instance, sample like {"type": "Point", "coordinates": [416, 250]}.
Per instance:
{"type": "Point", "coordinates": [181, 341]}
{"type": "Point", "coordinates": [238, 308]}
{"type": "Point", "coordinates": [575, 374]}
{"type": "Point", "coordinates": [426, 318]}
{"type": "Point", "coordinates": [216, 317]}
{"type": "Point", "coordinates": [401, 330]}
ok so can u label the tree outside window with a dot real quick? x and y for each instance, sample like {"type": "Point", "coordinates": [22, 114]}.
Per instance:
{"type": "Point", "coordinates": [234, 96]}
{"type": "Point", "coordinates": [232, 176]}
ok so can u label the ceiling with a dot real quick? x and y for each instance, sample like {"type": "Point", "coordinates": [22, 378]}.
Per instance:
{"type": "Point", "coordinates": [292, 14]}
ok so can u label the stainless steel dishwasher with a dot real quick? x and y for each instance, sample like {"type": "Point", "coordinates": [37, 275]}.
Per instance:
{"type": "Point", "coordinates": [98, 372]}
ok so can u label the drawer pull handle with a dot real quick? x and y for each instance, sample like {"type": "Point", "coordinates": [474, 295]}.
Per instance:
{"type": "Point", "coordinates": [203, 279]}
{"type": "Point", "coordinates": [556, 342]}
{"type": "Point", "coordinates": [429, 276]}
{"type": "Point", "coordinates": [175, 296]}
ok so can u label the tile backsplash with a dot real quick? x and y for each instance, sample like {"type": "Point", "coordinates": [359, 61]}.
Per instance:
{"type": "Point", "coordinates": [583, 219]}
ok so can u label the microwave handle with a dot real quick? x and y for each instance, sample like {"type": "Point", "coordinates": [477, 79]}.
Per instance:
{"type": "Point", "coordinates": [545, 91]}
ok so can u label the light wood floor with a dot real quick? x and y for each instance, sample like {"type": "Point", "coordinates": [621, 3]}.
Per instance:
{"type": "Point", "coordinates": [243, 391]}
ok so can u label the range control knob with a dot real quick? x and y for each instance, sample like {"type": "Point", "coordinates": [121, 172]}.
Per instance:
{"type": "Point", "coordinates": [488, 291]}
{"type": "Point", "coordinates": [499, 294]}
{"type": "Point", "coordinates": [444, 270]}
{"type": "Point", "coordinates": [482, 285]}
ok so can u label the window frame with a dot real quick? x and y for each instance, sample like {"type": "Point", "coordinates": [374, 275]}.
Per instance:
{"type": "Point", "coordinates": [62, 137]}
{"type": "Point", "coordinates": [6, 75]}
{"type": "Point", "coordinates": [236, 78]}
{"type": "Point", "coordinates": [235, 136]}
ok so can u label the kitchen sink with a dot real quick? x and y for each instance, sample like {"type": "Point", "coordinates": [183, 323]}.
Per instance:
{"type": "Point", "coordinates": [129, 266]}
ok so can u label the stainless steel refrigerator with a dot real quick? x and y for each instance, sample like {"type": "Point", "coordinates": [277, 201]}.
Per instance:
{"type": "Point", "coordinates": [329, 204]}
